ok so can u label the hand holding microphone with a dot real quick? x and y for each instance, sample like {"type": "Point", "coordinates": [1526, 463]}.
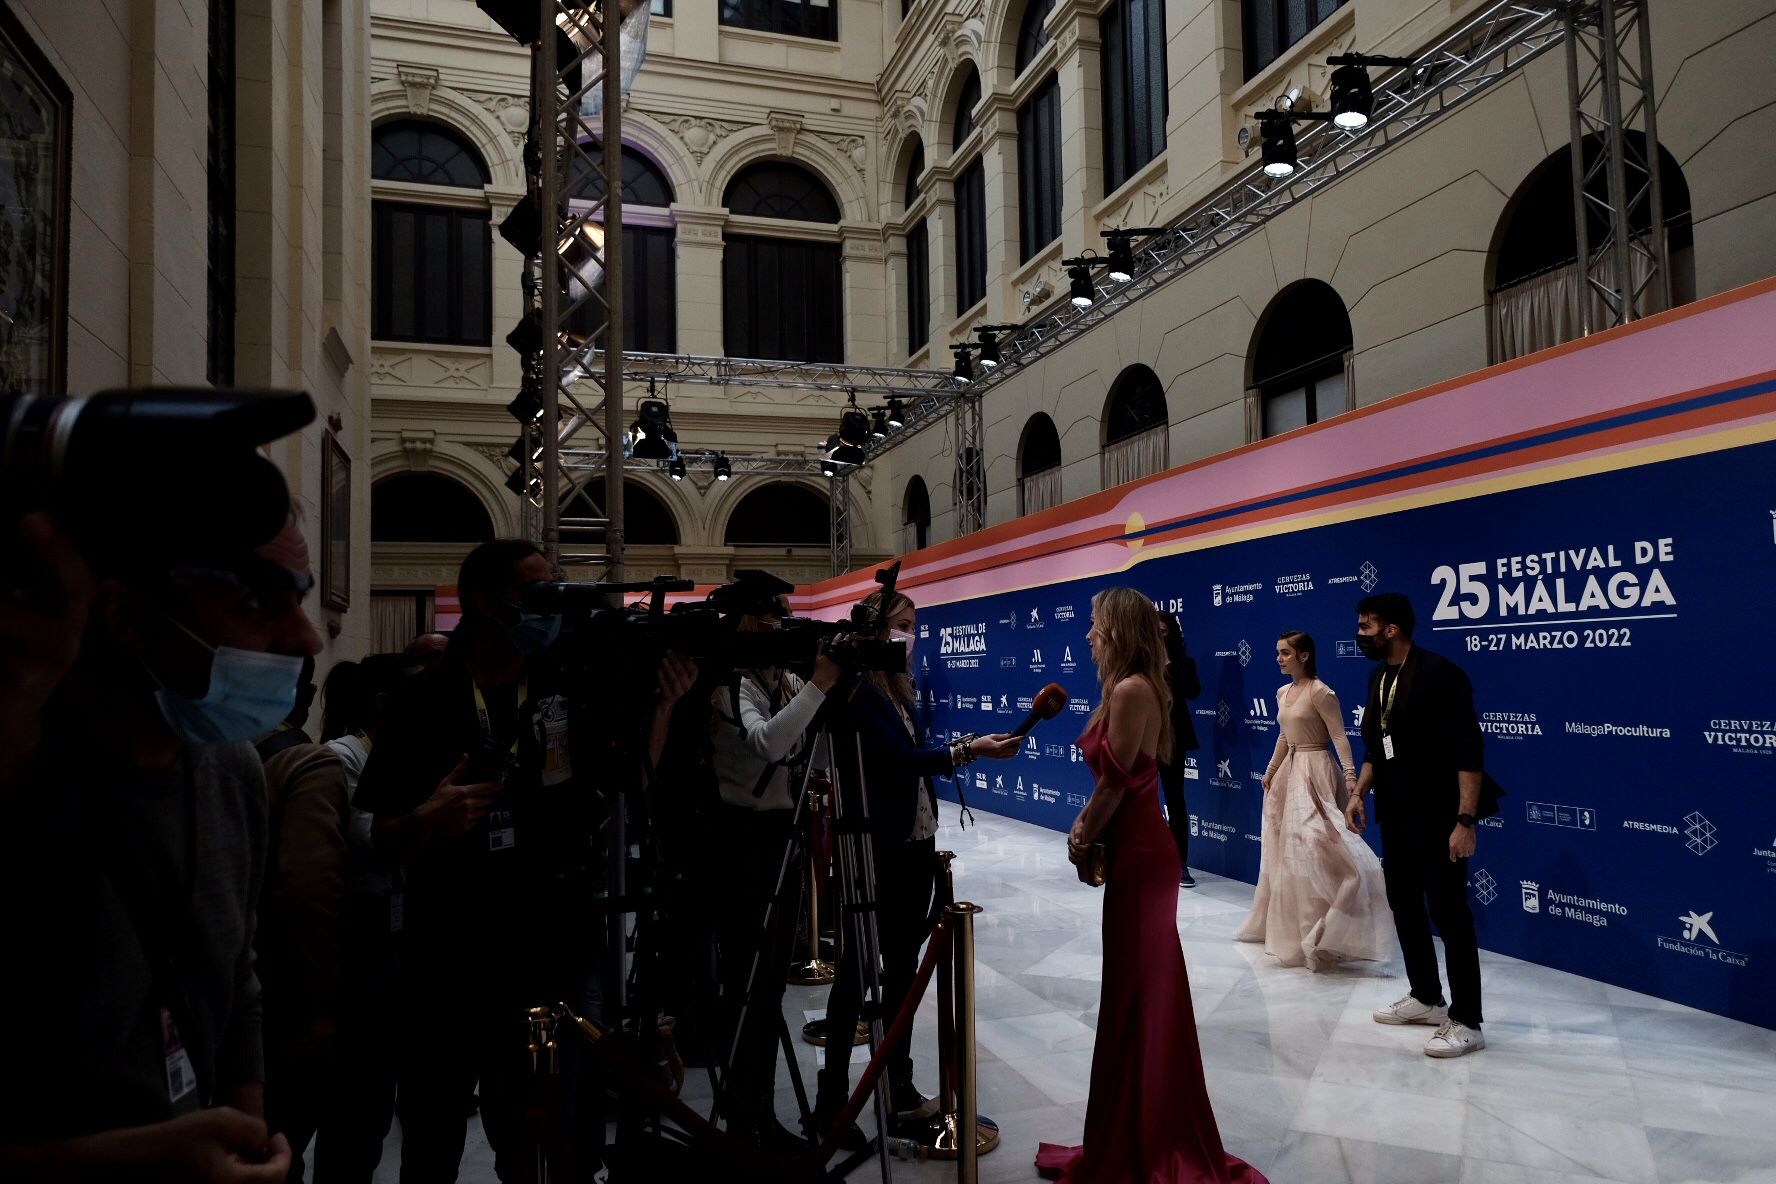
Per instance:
{"type": "Point", "coordinates": [1047, 705]}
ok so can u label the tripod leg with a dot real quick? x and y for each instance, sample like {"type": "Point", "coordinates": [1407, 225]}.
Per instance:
{"type": "Point", "coordinates": [795, 1070]}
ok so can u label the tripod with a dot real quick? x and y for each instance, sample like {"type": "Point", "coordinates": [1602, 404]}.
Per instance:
{"type": "Point", "coordinates": [855, 901]}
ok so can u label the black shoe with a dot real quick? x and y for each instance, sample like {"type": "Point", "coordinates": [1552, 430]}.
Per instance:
{"type": "Point", "coordinates": [851, 1138]}
{"type": "Point", "coordinates": [1186, 880]}
{"type": "Point", "coordinates": [908, 1105]}
{"type": "Point", "coordinates": [779, 1138]}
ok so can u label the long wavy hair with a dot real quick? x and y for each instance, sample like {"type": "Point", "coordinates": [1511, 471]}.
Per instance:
{"type": "Point", "coordinates": [1130, 633]}
{"type": "Point", "coordinates": [894, 687]}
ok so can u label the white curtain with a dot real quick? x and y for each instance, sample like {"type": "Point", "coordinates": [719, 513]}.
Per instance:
{"type": "Point", "coordinates": [393, 623]}
{"type": "Point", "coordinates": [1138, 456]}
{"type": "Point", "coordinates": [1041, 490]}
{"type": "Point", "coordinates": [1543, 311]}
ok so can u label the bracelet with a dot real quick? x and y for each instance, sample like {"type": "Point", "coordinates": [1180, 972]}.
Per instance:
{"type": "Point", "coordinates": [962, 751]}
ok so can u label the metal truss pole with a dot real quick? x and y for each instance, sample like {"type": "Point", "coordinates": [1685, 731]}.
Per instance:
{"type": "Point", "coordinates": [545, 103]}
{"type": "Point", "coordinates": [1609, 74]}
{"type": "Point", "coordinates": [839, 523]}
{"type": "Point", "coordinates": [611, 158]}
{"type": "Point", "coordinates": [971, 476]}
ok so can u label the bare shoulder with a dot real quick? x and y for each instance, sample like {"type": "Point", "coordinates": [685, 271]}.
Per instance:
{"type": "Point", "coordinates": [1134, 692]}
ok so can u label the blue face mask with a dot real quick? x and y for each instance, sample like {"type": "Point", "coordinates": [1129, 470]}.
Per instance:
{"type": "Point", "coordinates": [250, 694]}
{"type": "Point", "coordinates": [534, 632]}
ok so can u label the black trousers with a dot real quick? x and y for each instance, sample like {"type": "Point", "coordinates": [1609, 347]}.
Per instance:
{"type": "Point", "coordinates": [1171, 783]}
{"type": "Point", "coordinates": [750, 856]}
{"type": "Point", "coordinates": [906, 881]}
{"type": "Point", "coordinates": [348, 1145]}
{"type": "Point", "coordinates": [1424, 887]}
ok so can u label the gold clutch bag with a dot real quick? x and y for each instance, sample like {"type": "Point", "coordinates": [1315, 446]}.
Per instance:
{"type": "Point", "coordinates": [1094, 867]}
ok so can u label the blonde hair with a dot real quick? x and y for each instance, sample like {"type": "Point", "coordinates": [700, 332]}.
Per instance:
{"type": "Point", "coordinates": [1130, 632]}
{"type": "Point", "coordinates": [894, 687]}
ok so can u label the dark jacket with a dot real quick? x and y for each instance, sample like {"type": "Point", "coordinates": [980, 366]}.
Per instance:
{"type": "Point", "coordinates": [1185, 686]}
{"type": "Point", "coordinates": [894, 762]}
{"type": "Point", "coordinates": [1436, 735]}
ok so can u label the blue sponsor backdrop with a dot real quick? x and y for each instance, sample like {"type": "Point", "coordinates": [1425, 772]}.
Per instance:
{"type": "Point", "coordinates": [1618, 631]}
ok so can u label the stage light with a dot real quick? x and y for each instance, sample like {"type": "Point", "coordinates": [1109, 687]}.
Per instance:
{"type": "Point", "coordinates": [527, 407]}
{"type": "Point", "coordinates": [517, 450]}
{"type": "Point", "coordinates": [827, 467]}
{"type": "Point", "coordinates": [515, 482]}
{"type": "Point", "coordinates": [879, 425]}
{"type": "Point", "coordinates": [1122, 259]}
{"type": "Point", "coordinates": [1079, 282]}
{"type": "Point", "coordinates": [723, 469]}
{"type": "Point", "coordinates": [523, 227]}
{"type": "Point", "coordinates": [896, 417]}
{"type": "Point", "coordinates": [1278, 149]}
{"type": "Point", "coordinates": [964, 371]}
{"type": "Point", "coordinates": [676, 469]}
{"type": "Point", "coordinates": [854, 426]}
{"type": "Point", "coordinates": [526, 337]}
{"type": "Point", "coordinates": [1352, 98]}
{"type": "Point", "coordinates": [654, 436]}
{"type": "Point", "coordinates": [989, 348]}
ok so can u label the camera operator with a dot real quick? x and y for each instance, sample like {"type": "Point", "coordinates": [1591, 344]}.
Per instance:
{"type": "Point", "coordinates": [759, 721]}
{"type": "Point", "coordinates": [471, 783]}
{"type": "Point", "coordinates": [903, 826]}
{"type": "Point", "coordinates": [138, 1054]}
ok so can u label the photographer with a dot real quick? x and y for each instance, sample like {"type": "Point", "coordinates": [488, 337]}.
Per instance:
{"type": "Point", "coordinates": [146, 813]}
{"type": "Point", "coordinates": [471, 783]}
{"type": "Point", "coordinates": [757, 727]}
{"type": "Point", "coordinates": [903, 826]}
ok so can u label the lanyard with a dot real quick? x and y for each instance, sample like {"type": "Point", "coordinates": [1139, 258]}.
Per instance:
{"type": "Point", "coordinates": [1388, 692]}
{"type": "Point", "coordinates": [487, 722]}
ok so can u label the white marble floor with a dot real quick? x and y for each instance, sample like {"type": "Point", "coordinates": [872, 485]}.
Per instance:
{"type": "Point", "coordinates": [1580, 1083]}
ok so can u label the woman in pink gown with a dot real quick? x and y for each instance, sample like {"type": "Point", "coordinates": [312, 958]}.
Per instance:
{"type": "Point", "coordinates": [1148, 1120]}
{"type": "Point", "coordinates": [1321, 899]}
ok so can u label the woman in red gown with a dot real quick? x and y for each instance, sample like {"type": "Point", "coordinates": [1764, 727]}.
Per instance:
{"type": "Point", "coordinates": [1148, 1120]}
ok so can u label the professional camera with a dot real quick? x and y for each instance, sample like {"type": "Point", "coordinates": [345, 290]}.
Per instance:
{"type": "Point", "coordinates": [185, 460]}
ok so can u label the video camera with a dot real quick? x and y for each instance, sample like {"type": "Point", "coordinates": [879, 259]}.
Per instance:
{"type": "Point", "coordinates": [185, 460]}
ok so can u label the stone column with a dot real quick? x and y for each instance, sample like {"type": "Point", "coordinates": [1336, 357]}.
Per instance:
{"type": "Point", "coordinates": [699, 243]}
{"type": "Point", "coordinates": [1074, 26]}
{"type": "Point", "coordinates": [866, 317]}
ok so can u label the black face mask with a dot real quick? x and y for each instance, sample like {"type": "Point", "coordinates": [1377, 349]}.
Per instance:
{"type": "Point", "coordinates": [1372, 646]}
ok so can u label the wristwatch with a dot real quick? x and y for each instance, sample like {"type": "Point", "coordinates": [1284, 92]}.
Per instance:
{"type": "Point", "coordinates": [1464, 820]}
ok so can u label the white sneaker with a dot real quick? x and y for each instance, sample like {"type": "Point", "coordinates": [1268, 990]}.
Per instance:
{"type": "Point", "coordinates": [1455, 1039]}
{"type": "Point", "coordinates": [1411, 1011]}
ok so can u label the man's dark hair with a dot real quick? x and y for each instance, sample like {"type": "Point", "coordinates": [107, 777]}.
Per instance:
{"type": "Point", "coordinates": [1390, 608]}
{"type": "Point", "coordinates": [349, 698]}
{"type": "Point", "coordinates": [487, 570]}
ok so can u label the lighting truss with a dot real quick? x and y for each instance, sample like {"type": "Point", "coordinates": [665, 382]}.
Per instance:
{"type": "Point", "coordinates": [1485, 50]}
{"type": "Point", "coordinates": [714, 371]}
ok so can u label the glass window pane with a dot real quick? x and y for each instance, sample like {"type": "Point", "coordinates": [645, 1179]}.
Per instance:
{"type": "Point", "coordinates": [1285, 412]}
{"type": "Point", "coordinates": [1329, 396]}
{"type": "Point", "coordinates": [473, 287]}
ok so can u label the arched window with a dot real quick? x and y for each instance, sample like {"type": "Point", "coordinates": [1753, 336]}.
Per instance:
{"type": "Point", "coordinates": [650, 273]}
{"type": "Point", "coordinates": [1301, 358]}
{"type": "Point", "coordinates": [1535, 290]}
{"type": "Point", "coordinates": [796, 18]}
{"type": "Point", "coordinates": [915, 517]}
{"type": "Point", "coordinates": [1135, 431]}
{"type": "Point", "coordinates": [647, 522]}
{"type": "Point", "coordinates": [782, 296]}
{"type": "Point", "coordinates": [971, 204]}
{"type": "Point", "coordinates": [1134, 92]}
{"type": "Point", "coordinates": [779, 514]}
{"type": "Point", "coordinates": [426, 508]}
{"type": "Point", "coordinates": [430, 264]}
{"type": "Point", "coordinates": [918, 261]}
{"type": "Point", "coordinates": [423, 153]}
{"type": "Point", "coordinates": [1272, 26]}
{"type": "Point", "coordinates": [1039, 142]}
{"type": "Point", "coordinates": [1039, 465]}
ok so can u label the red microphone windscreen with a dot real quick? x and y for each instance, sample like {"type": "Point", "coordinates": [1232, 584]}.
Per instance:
{"type": "Point", "coordinates": [1050, 700]}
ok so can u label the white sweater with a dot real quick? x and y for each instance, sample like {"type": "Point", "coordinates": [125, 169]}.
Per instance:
{"type": "Point", "coordinates": [743, 750]}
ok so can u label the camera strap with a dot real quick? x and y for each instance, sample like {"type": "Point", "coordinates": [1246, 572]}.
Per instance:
{"type": "Point", "coordinates": [502, 835]}
{"type": "Point", "coordinates": [775, 701]}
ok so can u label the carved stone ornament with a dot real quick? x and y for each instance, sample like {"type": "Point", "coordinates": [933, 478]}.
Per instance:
{"type": "Point", "coordinates": [494, 453]}
{"type": "Point", "coordinates": [512, 112]}
{"type": "Point", "coordinates": [418, 446]}
{"type": "Point", "coordinates": [419, 81]}
{"type": "Point", "coordinates": [852, 146]}
{"type": "Point", "coordinates": [700, 136]}
{"type": "Point", "coordinates": [784, 127]}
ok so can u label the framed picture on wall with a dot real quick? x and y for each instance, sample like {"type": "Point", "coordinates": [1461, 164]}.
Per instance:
{"type": "Point", "coordinates": [35, 108]}
{"type": "Point", "coordinates": [335, 525]}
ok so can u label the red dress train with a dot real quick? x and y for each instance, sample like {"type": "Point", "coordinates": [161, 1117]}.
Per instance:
{"type": "Point", "coordinates": [1148, 1120]}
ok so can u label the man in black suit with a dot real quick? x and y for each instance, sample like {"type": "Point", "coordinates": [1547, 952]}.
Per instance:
{"type": "Point", "coordinates": [1422, 753]}
{"type": "Point", "coordinates": [1181, 674]}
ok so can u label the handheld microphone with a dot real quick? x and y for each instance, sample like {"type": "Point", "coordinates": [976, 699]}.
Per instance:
{"type": "Point", "coordinates": [1048, 704]}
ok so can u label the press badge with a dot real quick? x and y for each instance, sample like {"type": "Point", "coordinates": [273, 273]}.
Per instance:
{"type": "Point", "coordinates": [1387, 746]}
{"type": "Point", "coordinates": [557, 760]}
{"type": "Point", "coordinates": [500, 834]}
{"type": "Point", "coordinates": [181, 1077]}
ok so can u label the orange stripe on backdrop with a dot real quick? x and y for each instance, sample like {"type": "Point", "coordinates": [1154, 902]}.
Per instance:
{"type": "Point", "coordinates": [828, 592]}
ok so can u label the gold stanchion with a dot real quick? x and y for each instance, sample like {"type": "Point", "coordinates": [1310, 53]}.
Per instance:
{"type": "Point", "coordinates": [816, 971]}
{"type": "Point", "coordinates": [545, 1064]}
{"type": "Point", "coordinates": [967, 1117]}
{"type": "Point", "coordinates": [941, 1139]}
